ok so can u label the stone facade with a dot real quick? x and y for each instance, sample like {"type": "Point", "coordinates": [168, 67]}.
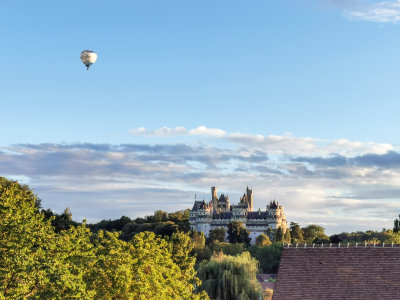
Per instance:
{"type": "Point", "coordinates": [218, 213]}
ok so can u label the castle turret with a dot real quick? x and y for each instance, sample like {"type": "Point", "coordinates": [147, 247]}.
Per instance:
{"type": "Point", "coordinates": [249, 196]}
{"type": "Point", "coordinates": [214, 198]}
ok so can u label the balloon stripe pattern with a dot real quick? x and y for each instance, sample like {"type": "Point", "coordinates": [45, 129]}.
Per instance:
{"type": "Point", "coordinates": [88, 58]}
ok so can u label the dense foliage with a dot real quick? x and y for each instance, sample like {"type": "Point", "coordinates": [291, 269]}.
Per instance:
{"type": "Point", "coordinates": [396, 227]}
{"type": "Point", "coordinates": [237, 233]}
{"type": "Point", "coordinates": [228, 277]}
{"type": "Point", "coordinates": [268, 257]}
{"type": "Point", "coordinates": [217, 234]}
{"type": "Point", "coordinates": [161, 223]}
{"type": "Point", "coordinates": [263, 240]}
{"type": "Point", "coordinates": [369, 237]}
{"type": "Point", "coordinates": [39, 262]}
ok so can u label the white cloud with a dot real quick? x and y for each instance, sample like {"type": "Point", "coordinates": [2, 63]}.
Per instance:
{"type": "Point", "coordinates": [164, 131]}
{"type": "Point", "coordinates": [379, 12]}
{"type": "Point", "coordinates": [212, 132]}
{"type": "Point", "coordinates": [273, 144]}
{"type": "Point", "coordinates": [179, 131]}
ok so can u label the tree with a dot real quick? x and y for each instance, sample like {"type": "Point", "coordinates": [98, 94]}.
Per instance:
{"type": "Point", "coordinates": [296, 233]}
{"type": "Point", "coordinates": [165, 228]}
{"type": "Point", "coordinates": [217, 234]}
{"type": "Point", "coordinates": [69, 258]}
{"type": "Point", "coordinates": [35, 262]}
{"type": "Point", "coordinates": [268, 257]}
{"type": "Point", "coordinates": [198, 239]}
{"type": "Point", "coordinates": [160, 216]}
{"type": "Point", "coordinates": [312, 232]}
{"type": "Point", "coordinates": [279, 235]}
{"type": "Point", "coordinates": [148, 267]}
{"type": "Point", "coordinates": [23, 233]}
{"type": "Point", "coordinates": [237, 233]}
{"type": "Point", "coordinates": [286, 236]}
{"type": "Point", "coordinates": [392, 237]}
{"type": "Point", "coordinates": [335, 239]}
{"type": "Point", "coordinates": [181, 246]}
{"type": "Point", "coordinates": [396, 227]}
{"type": "Point", "coordinates": [38, 263]}
{"type": "Point", "coordinates": [157, 276]}
{"type": "Point", "coordinates": [263, 240]}
{"type": "Point", "coordinates": [63, 221]}
{"type": "Point", "coordinates": [180, 218]}
{"type": "Point", "coordinates": [202, 254]}
{"type": "Point", "coordinates": [229, 249]}
{"type": "Point", "coordinates": [230, 277]}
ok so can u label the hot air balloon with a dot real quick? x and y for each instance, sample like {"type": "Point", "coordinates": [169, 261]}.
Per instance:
{"type": "Point", "coordinates": [88, 58]}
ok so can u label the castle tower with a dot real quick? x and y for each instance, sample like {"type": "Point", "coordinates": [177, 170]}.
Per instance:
{"type": "Point", "coordinates": [214, 198]}
{"type": "Point", "coordinates": [249, 196]}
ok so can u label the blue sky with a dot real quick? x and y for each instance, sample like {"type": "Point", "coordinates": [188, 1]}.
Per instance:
{"type": "Point", "coordinates": [300, 97]}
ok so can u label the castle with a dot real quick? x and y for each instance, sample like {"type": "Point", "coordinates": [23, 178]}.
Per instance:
{"type": "Point", "coordinates": [219, 212]}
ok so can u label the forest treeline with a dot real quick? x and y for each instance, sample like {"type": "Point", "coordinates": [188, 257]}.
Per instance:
{"type": "Point", "coordinates": [44, 255]}
{"type": "Point", "coordinates": [163, 223]}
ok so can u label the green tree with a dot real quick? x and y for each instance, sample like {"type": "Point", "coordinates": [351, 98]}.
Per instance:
{"type": "Point", "coordinates": [112, 274]}
{"type": "Point", "coordinates": [217, 234]}
{"type": "Point", "coordinates": [201, 254]}
{"type": "Point", "coordinates": [313, 232]}
{"type": "Point", "coordinates": [180, 218]}
{"type": "Point", "coordinates": [230, 277]}
{"type": "Point", "coordinates": [160, 216]}
{"type": "Point", "coordinates": [38, 263]}
{"type": "Point", "coordinates": [60, 221]}
{"type": "Point", "coordinates": [228, 248]}
{"type": "Point", "coordinates": [35, 262]}
{"type": "Point", "coordinates": [63, 221]}
{"type": "Point", "coordinates": [157, 276]}
{"type": "Point", "coordinates": [69, 258]}
{"type": "Point", "coordinates": [392, 237]}
{"type": "Point", "coordinates": [286, 236]}
{"type": "Point", "coordinates": [181, 246]}
{"type": "Point", "coordinates": [237, 233]}
{"type": "Point", "coordinates": [198, 239]}
{"type": "Point", "coordinates": [165, 228]}
{"type": "Point", "coordinates": [396, 227]}
{"type": "Point", "coordinates": [268, 257]}
{"type": "Point", "coordinates": [295, 233]}
{"type": "Point", "coordinates": [263, 240]}
{"type": "Point", "coordinates": [23, 233]}
{"type": "Point", "coordinates": [148, 267]}
{"type": "Point", "coordinates": [278, 235]}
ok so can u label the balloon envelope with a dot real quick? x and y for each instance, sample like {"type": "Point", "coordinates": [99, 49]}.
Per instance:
{"type": "Point", "coordinates": [88, 58]}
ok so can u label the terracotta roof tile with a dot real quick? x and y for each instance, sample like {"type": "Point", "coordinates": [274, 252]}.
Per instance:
{"type": "Point", "coordinates": [338, 273]}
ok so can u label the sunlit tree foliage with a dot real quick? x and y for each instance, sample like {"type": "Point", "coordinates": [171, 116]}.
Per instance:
{"type": "Point", "coordinates": [37, 262]}
{"type": "Point", "coordinates": [228, 277]}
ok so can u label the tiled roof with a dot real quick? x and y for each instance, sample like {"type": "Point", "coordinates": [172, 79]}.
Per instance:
{"type": "Point", "coordinates": [222, 215]}
{"type": "Point", "coordinates": [339, 273]}
{"type": "Point", "coordinates": [265, 277]}
{"type": "Point", "coordinates": [267, 285]}
{"type": "Point", "coordinates": [264, 280]}
{"type": "Point", "coordinates": [196, 205]}
{"type": "Point", "coordinates": [223, 199]}
{"type": "Point", "coordinates": [257, 215]}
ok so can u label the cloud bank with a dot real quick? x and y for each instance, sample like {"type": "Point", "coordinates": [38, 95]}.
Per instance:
{"type": "Point", "coordinates": [340, 184]}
